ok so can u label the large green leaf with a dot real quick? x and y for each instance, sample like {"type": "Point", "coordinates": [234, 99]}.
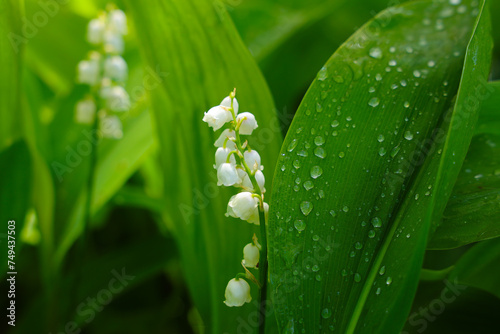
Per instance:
{"type": "Point", "coordinates": [196, 44]}
{"type": "Point", "coordinates": [489, 119]}
{"type": "Point", "coordinates": [368, 165]}
{"type": "Point", "coordinates": [473, 212]}
{"type": "Point", "coordinates": [479, 267]}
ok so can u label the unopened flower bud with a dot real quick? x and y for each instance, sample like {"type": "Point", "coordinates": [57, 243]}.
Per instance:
{"type": "Point", "coordinates": [251, 255]}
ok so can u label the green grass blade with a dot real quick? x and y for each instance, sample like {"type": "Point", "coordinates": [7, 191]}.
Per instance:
{"type": "Point", "coordinates": [357, 186]}
{"type": "Point", "coordinates": [473, 212]}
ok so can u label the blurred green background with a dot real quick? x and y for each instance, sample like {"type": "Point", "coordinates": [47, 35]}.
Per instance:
{"type": "Point", "coordinates": [133, 228]}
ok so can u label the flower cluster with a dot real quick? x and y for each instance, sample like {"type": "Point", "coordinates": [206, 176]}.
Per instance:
{"type": "Point", "coordinates": [105, 71]}
{"type": "Point", "coordinates": [238, 165]}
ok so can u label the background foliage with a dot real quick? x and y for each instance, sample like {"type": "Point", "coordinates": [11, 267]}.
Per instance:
{"type": "Point", "coordinates": [157, 213]}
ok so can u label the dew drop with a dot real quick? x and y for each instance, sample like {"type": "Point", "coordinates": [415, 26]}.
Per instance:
{"type": "Point", "coordinates": [358, 245]}
{"type": "Point", "coordinates": [323, 74]}
{"type": "Point", "coordinates": [319, 152]}
{"type": "Point", "coordinates": [378, 291]}
{"type": "Point", "coordinates": [299, 225]}
{"type": "Point", "coordinates": [382, 270]}
{"type": "Point", "coordinates": [382, 151]}
{"type": "Point", "coordinates": [341, 155]}
{"type": "Point", "coordinates": [371, 234]}
{"type": "Point", "coordinates": [431, 63]}
{"type": "Point", "coordinates": [292, 145]}
{"type": "Point", "coordinates": [345, 209]}
{"type": "Point", "coordinates": [388, 281]}
{"type": "Point", "coordinates": [380, 138]}
{"type": "Point", "coordinates": [332, 213]}
{"type": "Point", "coordinates": [338, 79]}
{"type": "Point", "coordinates": [374, 101]}
{"type": "Point", "coordinates": [318, 141]}
{"type": "Point", "coordinates": [335, 123]}
{"type": "Point", "coordinates": [376, 53]}
{"type": "Point", "coordinates": [406, 104]}
{"type": "Point", "coordinates": [378, 77]}
{"type": "Point", "coordinates": [326, 313]}
{"type": "Point", "coordinates": [357, 277]}
{"type": "Point", "coordinates": [316, 172]}
{"type": "Point", "coordinates": [296, 164]}
{"type": "Point", "coordinates": [308, 185]}
{"type": "Point", "coordinates": [395, 151]}
{"type": "Point", "coordinates": [319, 108]}
{"type": "Point", "coordinates": [376, 222]}
{"type": "Point", "coordinates": [306, 207]}
{"type": "Point", "coordinates": [408, 135]}
{"type": "Point", "coordinates": [417, 74]}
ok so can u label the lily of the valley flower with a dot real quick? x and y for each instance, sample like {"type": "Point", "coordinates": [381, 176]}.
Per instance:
{"type": "Point", "coordinates": [244, 206]}
{"type": "Point", "coordinates": [259, 177]}
{"type": "Point", "coordinates": [85, 111]}
{"type": "Point", "coordinates": [216, 117]}
{"type": "Point", "coordinates": [227, 175]}
{"type": "Point", "coordinates": [237, 292]}
{"type": "Point", "coordinates": [95, 31]}
{"type": "Point", "coordinates": [116, 68]}
{"type": "Point", "coordinates": [221, 157]}
{"type": "Point", "coordinates": [117, 99]}
{"type": "Point", "coordinates": [89, 72]}
{"type": "Point", "coordinates": [227, 136]}
{"type": "Point", "coordinates": [251, 255]}
{"type": "Point", "coordinates": [253, 159]}
{"type": "Point", "coordinates": [248, 123]}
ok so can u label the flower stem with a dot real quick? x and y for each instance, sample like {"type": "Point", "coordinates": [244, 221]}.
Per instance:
{"type": "Point", "coordinates": [263, 271]}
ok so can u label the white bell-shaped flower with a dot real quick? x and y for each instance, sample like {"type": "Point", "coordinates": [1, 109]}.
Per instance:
{"type": "Point", "coordinates": [117, 21]}
{"type": "Point", "coordinates": [241, 176]}
{"type": "Point", "coordinates": [89, 72]}
{"type": "Point", "coordinates": [221, 157]}
{"type": "Point", "coordinates": [251, 255]}
{"type": "Point", "coordinates": [85, 111]}
{"type": "Point", "coordinates": [95, 31]}
{"type": "Point", "coordinates": [227, 103]}
{"type": "Point", "coordinates": [261, 181]}
{"type": "Point", "coordinates": [222, 138]}
{"type": "Point", "coordinates": [245, 206]}
{"type": "Point", "coordinates": [216, 117]}
{"type": "Point", "coordinates": [111, 127]}
{"type": "Point", "coordinates": [117, 99]}
{"type": "Point", "coordinates": [252, 159]}
{"type": "Point", "coordinates": [237, 292]}
{"type": "Point", "coordinates": [227, 175]}
{"type": "Point", "coordinates": [266, 211]}
{"type": "Point", "coordinates": [116, 68]}
{"type": "Point", "coordinates": [113, 42]}
{"type": "Point", "coordinates": [248, 123]}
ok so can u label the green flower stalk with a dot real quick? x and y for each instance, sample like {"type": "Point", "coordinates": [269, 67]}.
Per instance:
{"type": "Point", "coordinates": [238, 165]}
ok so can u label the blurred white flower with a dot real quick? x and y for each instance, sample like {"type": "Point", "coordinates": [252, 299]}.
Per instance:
{"type": "Point", "coordinates": [111, 126]}
{"type": "Point", "coordinates": [113, 42]}
{"type": "Point", "coordinates": [251, 255]}
{"type": "Point", "coordinates": [227, 175]}
{"type": "Point", "coordinates": [85, 111]}
{"type": "Point", "coordinates": [116, 68]}
{"type": "Point", "coordinates": [237, 292]}
{"type": "Point", "coordinates": [95, 31]}
{"type": "Point", "coordinates": [89, 72]}
{"type": "Point", "coordinates": [117, 21]}
{"type": "Point", "coordinates": [248, 123]}
{"type": "Point", "coordinates": [117, 99]}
